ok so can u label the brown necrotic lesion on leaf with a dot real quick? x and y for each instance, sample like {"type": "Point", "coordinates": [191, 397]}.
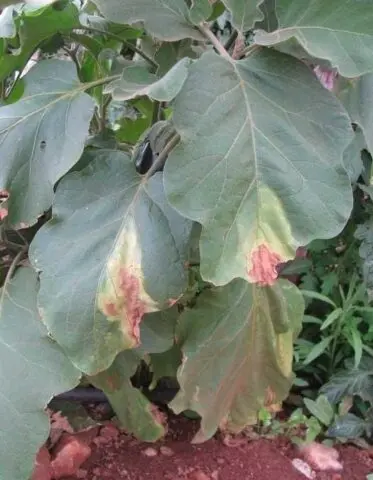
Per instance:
{"type": "Point", "coordinates": [263, 266]}
{"type": "Point", "coordinates": [122, 295]}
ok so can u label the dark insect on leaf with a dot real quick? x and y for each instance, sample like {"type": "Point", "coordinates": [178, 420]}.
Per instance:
{"type": "Point", "coordinates": [145, 158]}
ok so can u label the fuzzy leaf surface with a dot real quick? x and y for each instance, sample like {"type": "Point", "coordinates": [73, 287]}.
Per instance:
{"type": "Point", "coordinates": [244, 13]}
{"type": "Point", "coordinates": [237, 353]}
{"type": "Point", "coordinates": [251, 181]}
{"type": "Point", "coordinates": [337, 31]}
{"type": "Point", "coordinates": [137, 81]}
{"type": "Point", "coordinates": [114, 251]}
{"type": "Point", "coordinates": [164, 19]}
{"type": "Point", "coordinates": [42, 136]}
{"type": "Point", "coordinates": [33, 370]}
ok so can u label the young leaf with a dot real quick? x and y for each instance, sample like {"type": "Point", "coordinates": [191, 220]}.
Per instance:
{"type": "Point", "coordinates": [318, 349]}
{"type": "Point", "coordinates": [244, 13]}
{"type": "Point", "coordinates": [33, 370]}
{"type": "Point", "coordinates": [200, 10]}
{"type": "Point", "coordinates": [237, 353]}
{"type": "Point", "coordinates": [331, 318]}
{"type": "Point", "coordinates": [353, 381]}
{"type": "Point", "coordinates": [340, 32]}
{"type": "Point", "coordinates": [136, 81]}
{"type": "Point", "coordinates": [42, 136]}
{"type": "Point", "coordinates": [121, 251]}
{"type": "Point", "coordinates": [321, 409]}
{"type": "Point", "coordinates": [134, 411]}
{"type": "Point", "coordinates": [164, 19]}
{"type": "Point", "coordinates": [242, 166]}
{"type": "Point", "coordinates": [33, 28]}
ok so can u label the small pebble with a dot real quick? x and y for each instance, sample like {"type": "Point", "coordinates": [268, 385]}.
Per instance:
{"type": "Point", "coordinates": [167, 451]}
{"type": "Point", "coordinates": [150, 452]}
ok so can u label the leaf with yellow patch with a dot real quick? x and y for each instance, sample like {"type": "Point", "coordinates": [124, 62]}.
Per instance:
{"type": "Point", "coordinates": [257, 157]}
{"type": "Point", "coordinates": [237, 346]}
{"type": "Point", "coordinates": [114, 251]}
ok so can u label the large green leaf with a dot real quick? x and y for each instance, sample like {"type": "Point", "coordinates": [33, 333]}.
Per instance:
{"type": "Point", "coordinates": [33, 370]}
{"type": "Point", "coordinates": [134, 411]}
{"type": "Point", "coordinates": [260, 152]}
{"type": "Point", "coordinates": [42, 136]}
{"type": "Point", "coordinates": [165, 19]}
{"type": "Point", "coordinates": [336, 30]}
{"type": "Point", "coordinates": [358, 100]}
{"type": "Point", "coordinates": [113, 251]}
{"type": "Point", "coordinates": [137, 81]}
{"type": "Point", "coordinates": [35, 26]}
{"type": "Point", "coordinates": [244, 13]}
{"type": "Point", "coordinates": [237, 353]}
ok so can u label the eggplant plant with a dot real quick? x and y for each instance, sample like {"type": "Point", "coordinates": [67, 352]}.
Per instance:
{"type": "Point", "coordinates": [154, 177]}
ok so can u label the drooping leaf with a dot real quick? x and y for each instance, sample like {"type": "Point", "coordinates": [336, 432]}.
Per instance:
{"type": "Point", "coordinates": [42, 136]}
{"type": "Point", "coordinates": [237, 353]}
{"type": "Point", "coordinates": [137, 81]}
{"type": "Point", "coordinates": [352, 381]}
{"type": "Point", "coordinates": [358, 100]}
{"type": "Point", "coordinates": [340, 32]}
{"type": "Point", "coordinates": [121, 251]}
{"type": "Point", "coordinates": [35, 26]}
{"type": "Point", "coordinates": [364, 233]}
{"type": "Point", "coordinates": [248, 180]}
{"type": "Point", "coordinates": [164, 19]}
{"type": "Point", "coordinates": [134, 411]}
{"type": "Point", "coordinates": [33, 370]}
{"type": "Point", "coordinates": [244, 13]}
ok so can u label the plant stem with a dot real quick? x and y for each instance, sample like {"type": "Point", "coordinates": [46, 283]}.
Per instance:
{"type": "Point", "coordinates": [231, 40]}
{"type": "Point", "coordinates": [73, 57]}
{"type": "Point", "coordinates": [156, 112]}
{"type": "Point", "coordinates": [127, 44]}
{"type": "Point", "coordinates": [100, 81]}
{"type": "Point", "coordinates": [163, 156]}
{"type": "Point", "coordinates": [251, 49]}
{"type": "Point", "coordinates": [10, 272]}
{"type": "Point", "coordinates": [204, 29]}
